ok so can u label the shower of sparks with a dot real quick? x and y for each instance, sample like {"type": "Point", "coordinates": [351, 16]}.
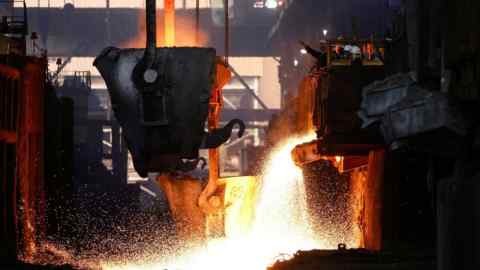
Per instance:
{"type": "Point", "coordinates": [281, 226]}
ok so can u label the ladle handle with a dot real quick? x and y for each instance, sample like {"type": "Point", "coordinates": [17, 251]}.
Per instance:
{"type": "Point", "coordinates": [151, 10]}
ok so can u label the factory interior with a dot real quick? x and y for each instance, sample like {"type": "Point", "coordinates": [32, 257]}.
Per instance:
{"type": "Point", "coordinates": [310, 134]}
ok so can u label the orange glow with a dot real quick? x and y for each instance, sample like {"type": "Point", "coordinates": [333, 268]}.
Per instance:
{"type": "Point", "coordinates": [266, 219]}
{"type": "Point", "coordinates": [169, 23]}
{"type": "Point", "coordinates": [358, 182]}
{"type": "Point", "coordinates": [183, 34]}
{"type": "Point", "coordinates": [239, 201]}
{"type": "Point", "coordinates": [339, 163]}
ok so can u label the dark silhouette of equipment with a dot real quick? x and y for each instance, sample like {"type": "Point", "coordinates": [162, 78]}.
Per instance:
{"type": "Point", "coordinates": [160, 97]}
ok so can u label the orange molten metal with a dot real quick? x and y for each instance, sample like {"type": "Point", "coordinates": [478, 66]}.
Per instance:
{"type": "Point", "coordinates": [169, 23]}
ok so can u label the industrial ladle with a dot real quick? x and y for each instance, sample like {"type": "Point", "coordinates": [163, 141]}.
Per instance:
{"type": "Point", "coordinates": [160, 98]}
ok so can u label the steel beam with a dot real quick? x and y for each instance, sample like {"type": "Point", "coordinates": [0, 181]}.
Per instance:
{"type": "Point", "coordinates": [248, 115]}
{"type": "Point", "coordinates": [242, 81]}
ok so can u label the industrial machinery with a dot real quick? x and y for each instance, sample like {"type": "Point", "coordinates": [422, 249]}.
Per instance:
{"type": "Point", "coordinates": [161, 97]}
{"type": "Point", "coordinates": [344, 166]}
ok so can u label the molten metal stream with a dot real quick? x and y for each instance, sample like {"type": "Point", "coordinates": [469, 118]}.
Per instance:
{"type": "Point", "coordinates": [280, 228]}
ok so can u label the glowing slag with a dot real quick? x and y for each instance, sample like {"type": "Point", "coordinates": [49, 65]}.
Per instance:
{"type": "Point", "coordinates": [281, 226]}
